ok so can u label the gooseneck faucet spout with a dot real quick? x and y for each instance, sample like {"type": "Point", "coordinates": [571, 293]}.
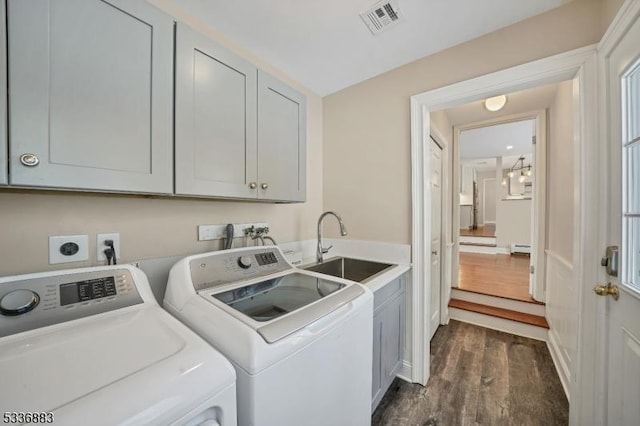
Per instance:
{"type": "Point", "coordinates": [343, 231]}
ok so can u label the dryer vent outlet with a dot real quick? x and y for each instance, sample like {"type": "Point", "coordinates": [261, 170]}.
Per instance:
{"type": "Point", "coordinates": [382, 16]}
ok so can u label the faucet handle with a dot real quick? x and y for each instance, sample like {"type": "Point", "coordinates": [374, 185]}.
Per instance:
{"type": "Point", "coordinates": [326, 250]}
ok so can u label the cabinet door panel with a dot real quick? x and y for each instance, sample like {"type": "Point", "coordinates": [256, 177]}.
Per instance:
{"type": "Point", "coordinates": [393, 340]}
{"type": "Point", "coordinates": [281, 140]}
{"type": "Point", "coordinates": [3, 97]}
{"type": "Point", "coordinates": [215, 119]}
{"type": "Point", "coordinates": [91, 86]}
{"type": "Point", "coordinates": [376, 382]}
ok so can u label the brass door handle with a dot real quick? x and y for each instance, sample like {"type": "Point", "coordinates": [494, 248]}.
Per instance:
{"type": "Point", "coordinates": [607, 290]}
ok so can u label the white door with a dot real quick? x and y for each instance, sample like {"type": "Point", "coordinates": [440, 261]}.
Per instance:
{"type": "Point", "coordinates": [623, 230]}
{"type": "Point", "coordinates": [436, 235]}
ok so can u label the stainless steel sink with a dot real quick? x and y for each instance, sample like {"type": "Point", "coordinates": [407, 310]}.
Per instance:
{"type": "Point", "coordinates": [351, 269]}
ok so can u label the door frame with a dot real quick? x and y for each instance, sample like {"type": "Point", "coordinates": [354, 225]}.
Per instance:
{"type": "Point", "coordinates": [538, 216]}
{"type": "Point", "coordinates": [556, 68]}
{"type": "Point", "coordinates": [592, 408]}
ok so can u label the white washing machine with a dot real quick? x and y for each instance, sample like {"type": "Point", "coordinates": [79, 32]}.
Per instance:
{"type": "Point", "coordinates": [301, 343]}
{"type": "Point", "coordinates": [92, 346]}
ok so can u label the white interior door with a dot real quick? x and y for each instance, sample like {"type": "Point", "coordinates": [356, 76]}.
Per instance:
{"type": "Point", "coordinates": [436, 235]}
{"type": "Point", "coordinates": [623, 230]}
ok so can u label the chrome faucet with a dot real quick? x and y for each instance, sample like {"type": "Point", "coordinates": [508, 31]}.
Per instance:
{"type": "Point", "coordinates": [343, 231]}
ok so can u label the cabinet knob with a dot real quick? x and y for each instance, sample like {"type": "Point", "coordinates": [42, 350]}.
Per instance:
{"type": "Point", "coordinates": [265, 185]}
{"type": "Point", "coordinates": [29, 160]}
{"type": "Point", "coordinates": [253, 185]}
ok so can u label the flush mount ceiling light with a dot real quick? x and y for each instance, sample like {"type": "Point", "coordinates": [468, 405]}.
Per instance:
{"type": "Point", "coordinates": [509, 147]}
{"type": "Point", "coordinates": [496, 103]}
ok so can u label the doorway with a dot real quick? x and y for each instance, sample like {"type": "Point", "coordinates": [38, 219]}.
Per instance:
{"type": "Point", "coordinates": [554, 69]}
{"type": "Point", "coordinates": [494, 255]}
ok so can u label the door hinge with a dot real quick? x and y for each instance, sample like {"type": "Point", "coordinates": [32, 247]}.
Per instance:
{"type": "Point", "coordinates": [532, 269]}
{"type": "Point", "coordinates": [533, 140]}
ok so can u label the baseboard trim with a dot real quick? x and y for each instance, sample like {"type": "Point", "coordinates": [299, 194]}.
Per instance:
{"type": "Point", "coordinates": [406, 371]}
{"type": "Point", "coordinates": [561, 366]}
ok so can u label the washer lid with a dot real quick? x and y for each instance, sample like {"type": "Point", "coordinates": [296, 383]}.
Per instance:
{"type": "Point", "coordinates": [46, 371]}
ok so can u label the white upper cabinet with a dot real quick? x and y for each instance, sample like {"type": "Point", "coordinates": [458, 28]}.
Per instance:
{"type": "Point", "coordinates": [91, 95]}
{"type": "Point", "coordinates": [3, 97]}
{"type": "Point", "coordinates": [215, 119]}
{"type": "Point", "coordinates": [240, 133]}
{"type": "Point", "coordinates": [282, 144]}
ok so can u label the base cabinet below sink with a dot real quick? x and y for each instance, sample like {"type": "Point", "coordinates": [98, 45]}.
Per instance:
{"type": "Point", "coordinates": [388, 337]}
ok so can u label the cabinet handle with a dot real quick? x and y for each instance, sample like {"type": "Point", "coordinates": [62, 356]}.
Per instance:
{"type": "Point", "coordinates": [265, 185]}
{"type": "Point", "coordinates": [29, 160]}
{"type": "Point", "coordinates": [253, 185]}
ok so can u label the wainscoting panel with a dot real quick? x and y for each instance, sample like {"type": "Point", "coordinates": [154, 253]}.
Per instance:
{"type": "Point", "coordinates": [561, 313]}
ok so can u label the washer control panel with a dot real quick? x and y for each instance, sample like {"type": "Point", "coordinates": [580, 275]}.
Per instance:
{"type": "Point", "coordinates": [226, 267]}
{"type": "Point", "coordinates": [27, 304]}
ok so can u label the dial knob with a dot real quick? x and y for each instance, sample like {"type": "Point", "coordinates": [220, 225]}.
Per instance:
{"type": "Point", "coordinates": [18, 302]}
{"type": "Point", "coordinates": [244, 262]}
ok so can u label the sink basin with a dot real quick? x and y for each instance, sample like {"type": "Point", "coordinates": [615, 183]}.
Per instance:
{"type": "Point", "coordinates": [350, 269]}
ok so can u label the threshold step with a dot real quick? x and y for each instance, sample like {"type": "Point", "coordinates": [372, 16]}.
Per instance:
{"type": "Point", "coordinates": [493, 311]}
{"type": "Point", "coordinates": [463, 243]}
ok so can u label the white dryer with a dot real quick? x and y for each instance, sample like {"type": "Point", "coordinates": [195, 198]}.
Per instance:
{"type": "Point", "coordinates": [301, 343]}
{"type": "Point", "coordinates": [92, 346]}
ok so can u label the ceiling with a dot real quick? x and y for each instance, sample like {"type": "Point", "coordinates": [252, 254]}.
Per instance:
{"type": "Point", "coordinates": [326, 46]}
{"type": "Point", "coordinates": [528, 100]}
{"type": "Point", "coordinates": [492, 141]}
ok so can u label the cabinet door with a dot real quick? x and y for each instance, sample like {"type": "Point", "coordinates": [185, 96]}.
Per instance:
{"type": "Point", "coordinates": [91, 95]}
{"type": "Point", "coordinates": [3, 97]}
{"type": "Point", "coordinates": [215, 119]}
{"type": "Point", "coordinates": [376, 383]}
{"type": "Point", "coordinates": [393, 340]}
{"type": "Point", "coordinates": [282, 115]}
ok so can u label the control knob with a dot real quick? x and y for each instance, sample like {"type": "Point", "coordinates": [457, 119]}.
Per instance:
{"type": "Point", "coordinates": [18, 302]}
{"type": "Point", "coordinates": [244, 262]}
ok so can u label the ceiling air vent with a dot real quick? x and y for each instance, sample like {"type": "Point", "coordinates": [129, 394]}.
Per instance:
{"type": "Point", "coordinates": [382, 16]}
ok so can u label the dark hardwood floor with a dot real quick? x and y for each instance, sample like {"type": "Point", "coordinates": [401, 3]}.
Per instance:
{"type": "Point", "coordinates": [479, 377]}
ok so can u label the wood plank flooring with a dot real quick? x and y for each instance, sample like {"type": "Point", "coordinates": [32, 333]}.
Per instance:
{"type": "Point", "coordinates": [522, 317]}
{"type": "Point", "coordinates": [486, 230]}
{"type": "Point", "coordinates": [499, 275]}
{"type": "Point", "coordinates": [479, 377]}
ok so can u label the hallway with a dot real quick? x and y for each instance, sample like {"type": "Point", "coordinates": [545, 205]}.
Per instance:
{"type": "Point", "coordinates": [479, 377]}
{"type": "Point", "coordinates": [496, 275]}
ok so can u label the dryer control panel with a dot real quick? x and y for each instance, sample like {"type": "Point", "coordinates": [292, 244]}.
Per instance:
{"type": "Point", "coordinates": [31, 303]}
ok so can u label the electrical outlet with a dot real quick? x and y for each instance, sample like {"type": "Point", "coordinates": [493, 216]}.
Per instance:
{"type": "Point", "coordinates": [101, 246]}
{"type": "Point", "coordinates": [68, 248]}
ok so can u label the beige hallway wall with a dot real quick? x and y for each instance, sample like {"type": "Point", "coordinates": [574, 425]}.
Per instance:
{"type": "Point", "coordinates": [560, 168]}
{"type": "Point", "coordinates": [367, 156]}
{"type": "Point", "coordinates": [152, 227]}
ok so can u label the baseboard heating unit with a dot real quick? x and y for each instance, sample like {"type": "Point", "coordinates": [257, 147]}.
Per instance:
{"type": "Point", "coordinates": [520, 248]}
